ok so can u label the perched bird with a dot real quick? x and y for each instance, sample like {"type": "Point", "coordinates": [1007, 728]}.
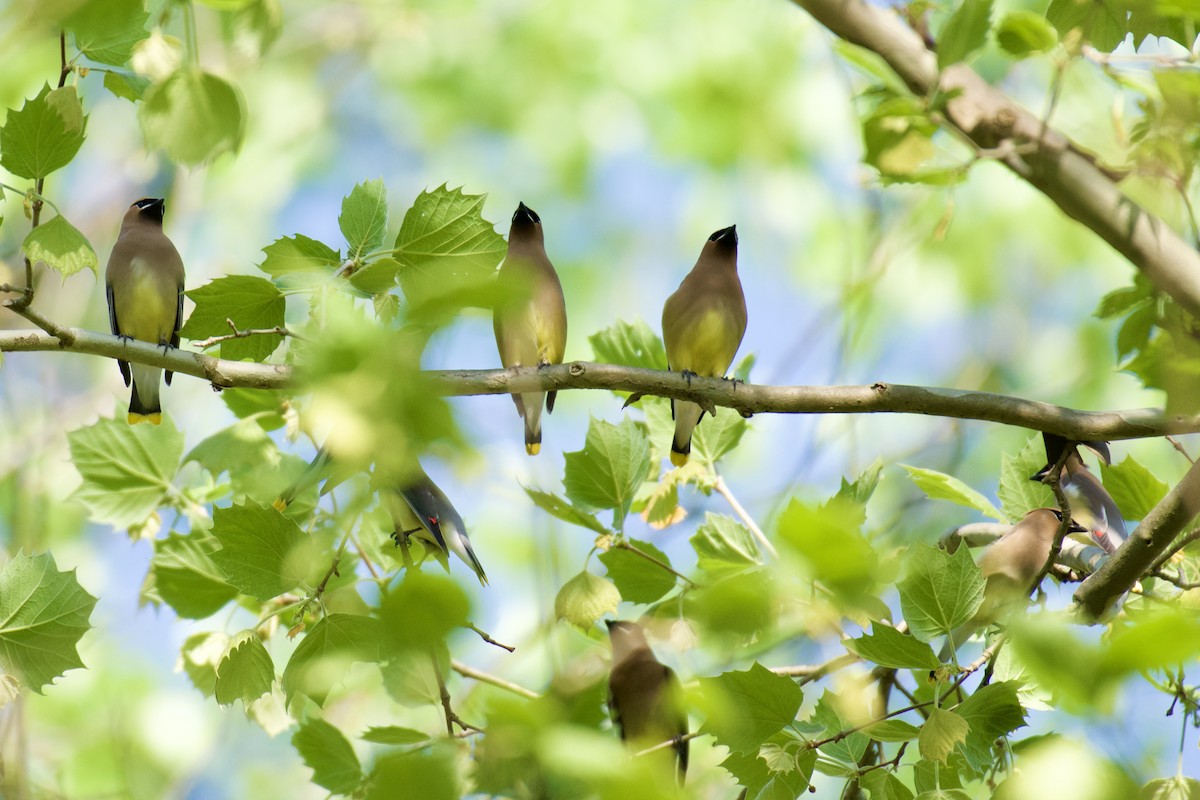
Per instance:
{"type": "Point", "coordinates": [530, 317]}
{"type": "Point", "coordinates": [144, 282]}
{"type": "Point", "coordinates": [644, 695]}
{"type": "Point", "coordinates": [420, 507]}
{"type": "Point", "coordinates": [1009, 566]}
{"type": "Point", "coordinates": [703, 323]}
{"type": "Point", "coordinates": [1091, 503]}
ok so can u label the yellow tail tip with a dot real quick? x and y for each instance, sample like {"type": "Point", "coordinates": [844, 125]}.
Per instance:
{"type": "Point", "coordinates": [678, 459]}
{"type": "Point", "coordinates": [153, 419]}
{"type": "Point", "coordinates": [280, 505]}
{"type": "Point", "coordinates": [533, 449]}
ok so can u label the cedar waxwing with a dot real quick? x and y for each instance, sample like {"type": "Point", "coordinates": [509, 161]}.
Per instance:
{"type": "Point", "coordinates": [422, 508]}
{"type": "Point", "coordinates": [644, 696]}
{"type": "Point", "coordinates": [322, 467]}
{"type": "Point", "coordinates": [144, 282]}
{"type": "Point", "coordinates": [1092, 504]}
{"type": "Point", "coordinates": [530, 318]}
{"type": "Point", "coordinates": [1009, 566]}
{"type": "Point", "coordinates": [703, 323]}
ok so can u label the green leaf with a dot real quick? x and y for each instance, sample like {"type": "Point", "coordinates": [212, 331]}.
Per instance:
{"type": "Point", "coordinates": [859, 491]}
{"type": "Point", "coordinates": [561, 509]}
{"type": "Point", "coordinates": [892, 730]}
{"type": "Point", "coordinates": [744, 605]}
{"type": "Point", "coordinates": [723, 543]}
{"type": "Point", "coordinates": [193, 115]}
{"type": "Point", "coordinates": [44, 135]}
{"type": "Point", "coordinates": [422, 610]}
{"type": "Point", "coordinates": [243, 446]}
{"type": "Point", "coordinates": [898, 139]}
{"type": "Point", "coordinates": [255, 26]}
{"type": "Point", "coordinates": [941, 733]}
{"type": "Point", "coordinates": [607, 472]}
{"type": "Point", "coordinates": [638, 580]}
{"type": "Point", "coordinates": [245, 671]}
{"type": "Point", "coordinates": [747, 708]}
{"type": "Point", "coordinates": [1104, 24]}
{"type": "Point", "coordinates": [266, 407]}
{"type": "Point", "coordinates": [846, 751]}
{"type": "Point", "coordinates": [1134, 488]}
{"type": "Point", "coordinates": [329, 755]}
{"type": "Point", "coordinates": [364, 217]}
{"type": "Point", "coordinates": [717, 435]}
{"type": "Point", "coordinates": [1019, 495]}
{"type": "Point", "coordinates": [941, 591]}
{"type": "Point", "coordinates": [299, 254]}
{"type": "Point", "coordinates": [1023, 32]}
{"type": "Point", "coordinates": [59, 245]}
{"type": "Point", "coordinates": [185, 577]}
{"type": "Point", "coordinates": [327, 651]}
{"type": "Point", "coordinates": [377, 277]}
{"type": "Point", "coordinates": [630, 344]}
{"type": "Point", "coordinates": [252, 303]}
{"type": "Point", "coordinates": [392, 734]}
{"type": "Point", "coordinates": [427, 774]}
{"type": "Point", "coordinates": [1121, 301]}
{"type": "Point", "coordinates": [991, 712]}
{"type": "Point", "coordinates": [829, 540]}
{"type": "Point", "coordinates": [445, 244]}
{"type": "Point", "coordinates": [887, 647]}
{"type": "Point", "coordinates": [106, 30]}
{"type": "Point", "coordinates": [883, 785]}
{"type": "Point", "coordinates": [1174, 788]}
{"type": "Point", "coordinates": [584, 599]}
{"type": "Point", "coordinates": [126, 469]}
{"type": "Point", "coordinates": [128, 87]}
{"type": "Point", "coordinates": [940, 486]}
{"type": "Point", "coordinates": [263, 553]}
{"type": "Point", "coordinates": [199, 656]}
{"type": "Point", "coordinates": [965, 32]}
{"type": "Point", "coordinates": [43, 614]}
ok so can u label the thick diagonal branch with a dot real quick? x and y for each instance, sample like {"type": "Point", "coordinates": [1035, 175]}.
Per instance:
{"type": "Point", "coordinates": [1049, 161]}
{"type": "Point", "coordinates": [745, 398]}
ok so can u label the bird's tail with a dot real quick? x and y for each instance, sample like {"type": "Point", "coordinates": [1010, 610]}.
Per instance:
{"type": "Point", "coordinates": [532, 405]}
{"type": "Point", "coordinates": [687, 417]}
{"type": "Point", "coordinates": [144, 403]}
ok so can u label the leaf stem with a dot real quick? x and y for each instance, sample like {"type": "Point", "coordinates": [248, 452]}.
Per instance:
{"type": "Point", "coordinates": [723, 489]}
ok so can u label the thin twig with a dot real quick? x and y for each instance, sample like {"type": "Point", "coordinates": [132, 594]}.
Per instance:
{"type": "Point", "coordinates": [807, 673]}
{"type": "Point", "coordinates": [723, 489]}
{"type": "Point", "coordinates": [484, 677]}
{"type": "Point", "coordinates": [487, 638]}
{"type": "Point", "coordinates": [678, 740]}
{"type": "Point", "coordinates": [452, 719]}
{"type": "Point", "coordinates": [1179, 446]}
{"type": "Point", "coordinates": [278, 330]}
{"type": "Point", "coordinates": [1053, 479]}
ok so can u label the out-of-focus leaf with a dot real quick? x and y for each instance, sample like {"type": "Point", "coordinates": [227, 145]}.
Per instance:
{"type": "Point", "coordinates": [722, 543]}
{"type": "Point", "coordinates": [327, 651]}
{"type": "Point", "coordinates": [107, 30]}
{"type": "Point", "coordinates": [630, 344]}
{"type": "Point", "coordinates": [964, 32]}
{"type": "Point", "coordinates": [940, 486]}
{"type": "Point", "coordinates": [584, 599]}
{"type": "Point", "coordinates": [422, 610]}
{"type": "Point", "coordinates": [393, 734]}
{"type": "Point", "coordinates": [746, 708]}
{"type": "Point", "coordinates": [199, 656]}
{"type": "Point", "coordinates": [428, 774]}
{"type": "Point", "coordinates": [1021, 33]}
{"type": "Point", "coordinates": [1018, 494]}
{"type": "Point", "coordinates": [193, 115]}
{"type": "Point", "coordinates": [561, 509]}
{"type": "Point", "coordinates": [1134, 488]}
{"type": "Point", "coordinates": [637, 579]}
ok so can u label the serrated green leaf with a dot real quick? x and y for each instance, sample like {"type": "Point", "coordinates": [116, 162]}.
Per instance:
{"type": "Point", "coordinates": [991, 712]}
{"type": "Point", "coordinates": [585, 599]}
{"type": "Point", "coordinates": [941, 591]}
{"type": "Point", "coordinates": [199, 656]}
{"type": "Point", "coordinates": [630, 344]}
{"type": "Point", "coordinates": [846, 751]}
{"type": "Point", "coordinates": [327, 651]}
{"type": "Point", "coordinates": [43, 615]}
{"type": "Point", "coordinates": [126, 469]}
{"type": "Point", "coordinates": [329, 755]}
{"type": "Point", "coordinates": [637, 579]}
{"type": "Point", "coordinates": [723, 543]}
{"type": "Point", "coordinates": [445, 244]}
{"type": "Point", "coordinates": [1102, 24]}
{"type": "Point", "coordinates": [263, 553]}
{"type": "Point", "coordinates": [940, 486]}
{"type": "Point", "coordinates": [743, 604]}
{"type": "Point", "coordinates": [392, 734]}
{"type": "Point", "coordinates": [892, 730]}
{"type": "Point", "coordinates": [422, 610]}
{"type": "Point", "coordinates": [883, 785]}
{"type": "Point", "coordinates": [252, 303]}
{"type": "Point", "coordinates": [288, 255]}
{"type": "Point", "coordinates": [717, 434]}
{"type": "Point", "coordinates": [747, 708]}
{"type": "Point", "coordinates": [941, 733]}
{"type": "Point", "coordinates": [364, 216]}
{"type": "Point", "coordinates": [427, 774]}
{"type": "Point", "coordinates": [185, 577]}
{"type": "Point", "coordinates": [44, 134]}
{"type": "Point", "coordinates": [887, 647]}
{"type": "Point", "coordinates": [1018, 494]}
{"type": "Point", "coordinates": [61, 246]}
{"type": "Point", "coordinates": [1021, 33]}
{"type": "Point", "coordinates": [1135, 489]}
{"type": "Point", "coordinates": [964, 32]}
{"type": "Point", "coordinates": [561, 509]}
{"type": "Point", "coordinates": [377, 277]}
{"type": "Point", "coordinates": [193, 115]}
{"type": "Point", "coordinates": [245, 672]}
{"type": "Point", "coordinates": [106, 30]}
{"type": "Point", "coordinates": [607, 472]}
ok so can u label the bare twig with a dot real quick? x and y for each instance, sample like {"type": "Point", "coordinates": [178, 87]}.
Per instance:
{"type": "Point", "coordinates": [487, 638]}
{"type": "Point", "coordinates": [1053, 479]}
{"type": "Point", "coordinates": [278, 330]}
{"type": "Point", "coordinates": [723, 490]}
{"type": "Point", "coordinates": [484, 677]}
{"type": "Point", "coordinates": [807, 673]}
{"type": "Point", "coordinates": [1179, 446]}
{"type": "Point", "coordinates": [452, 719]}
{"type": "Point", "coordinates": [687, 737]}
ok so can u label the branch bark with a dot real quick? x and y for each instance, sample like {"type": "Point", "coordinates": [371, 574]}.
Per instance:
{"type": "Point", "coordinates": [746, 399]}
{"type": "Point", "coordinates": [1054, 165]}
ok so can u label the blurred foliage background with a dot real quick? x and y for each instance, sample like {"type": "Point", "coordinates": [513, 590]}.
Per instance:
{"type": "Point", "coordinates": [634, 128]}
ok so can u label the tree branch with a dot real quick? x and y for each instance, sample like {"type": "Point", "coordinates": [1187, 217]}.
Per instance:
{"type": "Point", "coordinates": [1056, 167]}
{"type": "Point", "coordinates": [1152, 537]}
{"type": "Point", "coordinates": [747, 399]}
